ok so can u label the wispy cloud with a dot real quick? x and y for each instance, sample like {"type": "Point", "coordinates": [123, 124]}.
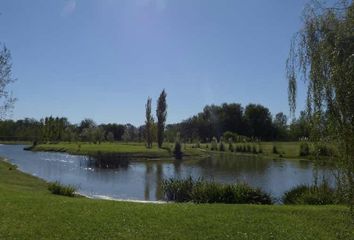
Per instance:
{"type": "Point", "coordinates": [69, 8]}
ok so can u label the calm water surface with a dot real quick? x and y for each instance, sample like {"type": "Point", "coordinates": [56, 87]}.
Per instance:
{"type": "Point", "coordinates": [142, 180]}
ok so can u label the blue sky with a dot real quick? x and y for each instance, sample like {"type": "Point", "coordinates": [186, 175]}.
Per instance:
{"type": "Point", "coordinates": [102, 59]}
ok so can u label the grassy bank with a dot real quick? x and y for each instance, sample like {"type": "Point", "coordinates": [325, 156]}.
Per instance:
{"type": "Point", "coordinates": [129, 150]}
{"type": "Point", "coordinates": [289, 150]}
{"type": "Point", "coordinates": [29, 211]}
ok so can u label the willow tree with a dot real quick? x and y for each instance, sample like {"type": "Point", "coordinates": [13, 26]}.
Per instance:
{"type": "Point", "coordinates": [322, 54]}
{"type": "Point", "coordinates": [6, 99]}
{"type": "Point", "coordinates": [149, 122]}
{"type": "Point", "coordinates": [161, 114]}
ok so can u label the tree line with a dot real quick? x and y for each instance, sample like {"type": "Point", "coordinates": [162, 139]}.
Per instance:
{"type": "Point", "coordinates": [253, 121]}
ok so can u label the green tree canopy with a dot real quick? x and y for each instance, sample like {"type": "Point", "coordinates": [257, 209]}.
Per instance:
{"type": "Point", "coordinates": [322, 54]}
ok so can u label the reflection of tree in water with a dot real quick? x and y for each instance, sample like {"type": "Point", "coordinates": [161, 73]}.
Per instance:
{"type": "Point", "coordinates": [108, 161]}
{"type": "Point", "coordinates": [159, 179]}
{"type": "Point", "coordinates": [177, 167]}
{"type": "Point", "coordinates": [148, 169]}
{"type": "Point", "coordinates": [235, 164]}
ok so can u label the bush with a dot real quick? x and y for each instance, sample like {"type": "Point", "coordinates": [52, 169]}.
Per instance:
{"type": "Point", "coordinates": [314, 195]}
{"type": "Point", "coordinates": [214, 144]}
{"type": "Point", "coordinates": [178, 190]}
{"type": "Point", "coordinates": [231, 147]}
{"type": "Point", "coordinates": [199, 191]}
{"type": "Point", "coordinates": [248, 149]}
{"type": "Point", "coordinates": [275, 150]}
{"type": "Point", "coordinates": [221, 146]}
{"type": "Point", "coordinates": [323, 150]}
{"type": "Point", "coordinates": [177, 151]}
{"type": "Point", "coordinates": [304, 149]}
{"type": "Point", "coordinates": [59, 189]}
{"type": "Point", "coordinates": [254, 150]}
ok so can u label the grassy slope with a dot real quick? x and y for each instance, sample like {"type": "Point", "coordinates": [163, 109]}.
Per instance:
{"type": "Point", "coordinates": [288, 150]}
{"type": "Point", "coordinates": [129, 149]}
{"type": "Point", "coordinates": [29, 211]}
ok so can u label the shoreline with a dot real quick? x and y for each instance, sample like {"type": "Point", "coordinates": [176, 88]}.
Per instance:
{"type": "Point", "coordinates": [190, 154]}
{"type": "Point", "coordinates": [78, 194]}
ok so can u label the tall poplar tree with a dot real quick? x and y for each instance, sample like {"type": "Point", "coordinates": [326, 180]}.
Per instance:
{"type": "Point", "coordinates": [161, 113]}
{"type": "Point", "coordinates": [149, 121]}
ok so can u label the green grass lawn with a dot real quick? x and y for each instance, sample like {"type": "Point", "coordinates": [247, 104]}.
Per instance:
{"type": "Point", "coordinates": [289, 150]}
{"type": "Point", "coordinates": [137, 150]}
{"type": "Point", "coordinates": [29, 211]}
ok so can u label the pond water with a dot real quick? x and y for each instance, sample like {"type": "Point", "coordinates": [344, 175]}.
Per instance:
{"type": "Point", "coordinates": [136, 180]}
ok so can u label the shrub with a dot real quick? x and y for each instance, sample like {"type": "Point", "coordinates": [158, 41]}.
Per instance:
{"type": "Point", "coordinates": [59, 189]}
{"type": "Point", "coordinates": [254, 149]}
{"type": "Point", "coordinates": [177, 151]}
{"type": "Point", "coordinates": [178, 190]}
{"type": "Point", "coordinates": [199, 191]}
{"type": "Point", "coordinates": [231, 146]}
{"type": "Point", "coordinates": [314, 195]}
{"type": "Point", "coordinates": [275, 150]}
{"type": "Point", "coordinates": [304, 149]}
{"type": "Point", "coordinates": [248, 149]}
{"type": "Point", "coordinates": [214, 144]}
{"type": "Point", "coordinates": [323, 150]}
{"type": "Point", "coordinates": [222, 145]}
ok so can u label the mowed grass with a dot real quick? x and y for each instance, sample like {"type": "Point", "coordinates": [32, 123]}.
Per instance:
{"type": "Point", "coordinates": [289, 150]}
{"type": "Point", "coordinates": [105, 147]}
{"type": "Point", "coordinates": [131, 149]}
{"type": "Point", "coordinates": [29, 211]}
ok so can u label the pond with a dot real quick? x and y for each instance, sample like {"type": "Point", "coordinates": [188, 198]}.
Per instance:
{"type": "Point", "coordinates": [137, 180]}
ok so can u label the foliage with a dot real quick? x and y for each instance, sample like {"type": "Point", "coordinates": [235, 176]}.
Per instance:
{"type": "Point", "coordinates": [221, 145]}
{"type": "Point", "coordinates": [177, 151]}
{"type": "Point", "coordinates": [110, 137]}
{"type": "Point", "coordinates": [149, 122]}
{"type": "Point", "coordinates": [314, 195]}
{"type": "Point", "coordinates": [116, 129]}
{"type": "Point", "coordinates": [321, 53]}
{"type": "Point", "coordinates": [304, 149]}
{"type": "Point", "coordinates": [161, 114]}
{"type": "Point", "coordinates": [214, 144]}
{"type": "Point", "coordinates": [259, 121]}
{"type": "Point", "coordinates": [6, 98]}
{"type": "Point", "coordinates": [200, 191]}
{"type": "Point", "coordinates": [231, 120]}
{"type": "Point", "coordinates": [59, 189]}
{"type": "Point", "coordinates": [231, 145]}
{"type": "Point", "coordinates": [275, 150]}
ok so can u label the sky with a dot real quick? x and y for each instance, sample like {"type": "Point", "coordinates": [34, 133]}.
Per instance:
{"type": "Point", "coordinates": [101, 59]}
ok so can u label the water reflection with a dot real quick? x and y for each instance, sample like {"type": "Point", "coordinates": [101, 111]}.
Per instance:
{"type": "Point", "coordinates": [120, 178]}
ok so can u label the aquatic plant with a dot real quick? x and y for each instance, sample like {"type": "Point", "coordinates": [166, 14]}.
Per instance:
{"type": "Point", "coordinates": [60, 189]}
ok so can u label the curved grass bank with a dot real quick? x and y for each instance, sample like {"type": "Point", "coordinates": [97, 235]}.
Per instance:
{"type": "Point", "coordinates": [29, 211]}
{"type": "Point", "coordinates": [120, 150]}
{"type": "Point", "coordinates": [134, 150]}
